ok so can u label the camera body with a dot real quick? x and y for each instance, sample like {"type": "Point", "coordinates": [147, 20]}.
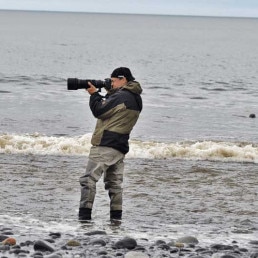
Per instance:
{"type": "Point", "coordinates": [75, 84]}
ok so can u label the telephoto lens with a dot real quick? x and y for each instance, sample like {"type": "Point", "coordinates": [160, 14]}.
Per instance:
{"type": "Point", "coordinates": [75, 84]}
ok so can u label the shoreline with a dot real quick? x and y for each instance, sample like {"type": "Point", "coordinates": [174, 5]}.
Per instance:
{"type": "Point", "coordinates": [89, 242]}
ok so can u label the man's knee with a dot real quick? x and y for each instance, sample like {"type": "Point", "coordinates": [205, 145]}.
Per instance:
{"type": "Point", "coordinates": [87, 180]}
{"type": "Point", "coordinates": [113, 186]}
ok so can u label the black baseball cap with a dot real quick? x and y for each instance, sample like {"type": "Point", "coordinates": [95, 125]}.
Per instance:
{"type": "Point", "coordinates": [121, 72]}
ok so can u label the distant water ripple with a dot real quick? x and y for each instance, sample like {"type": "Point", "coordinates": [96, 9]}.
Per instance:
{"type": "Point", "coordinates": [27, 80]}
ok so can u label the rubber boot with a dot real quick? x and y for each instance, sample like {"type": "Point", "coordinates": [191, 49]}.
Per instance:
{"type": "Point", "coordinates": [84, 214]}
{"type": "Point", "coordinates": [117, 214]}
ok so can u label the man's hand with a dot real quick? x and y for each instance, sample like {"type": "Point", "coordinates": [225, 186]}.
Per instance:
{"type": "Point", "coordinates": [92, 89]}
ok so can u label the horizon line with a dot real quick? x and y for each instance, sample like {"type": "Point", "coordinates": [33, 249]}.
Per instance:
{"type": "Point", "coordinates": [125, 13]}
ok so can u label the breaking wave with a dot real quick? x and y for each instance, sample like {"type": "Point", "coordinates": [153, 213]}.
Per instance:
{"type": "Point", "coordinates": [38, 144]}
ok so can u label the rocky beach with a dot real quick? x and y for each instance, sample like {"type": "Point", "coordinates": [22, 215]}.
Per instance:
{"type": "Point", "coordinates": [98, 243]}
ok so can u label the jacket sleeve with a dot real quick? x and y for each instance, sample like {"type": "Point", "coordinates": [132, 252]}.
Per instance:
{"type": "Point", "coordinates": [104, 108]}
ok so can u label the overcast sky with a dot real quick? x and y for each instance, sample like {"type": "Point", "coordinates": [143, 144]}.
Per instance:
{"type": "Point", "coordinates": [238, 8]}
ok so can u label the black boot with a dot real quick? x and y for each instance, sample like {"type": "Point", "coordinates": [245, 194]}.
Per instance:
{"type": "Point", "coordinates": [116, 215]}
{"type": "Point", "coordinates": [84, 214]}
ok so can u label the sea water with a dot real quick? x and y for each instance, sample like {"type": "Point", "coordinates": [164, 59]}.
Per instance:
{"type": "Point", "coordinates": [192, 165]}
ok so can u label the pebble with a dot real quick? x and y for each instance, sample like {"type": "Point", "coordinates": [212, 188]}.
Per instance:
{"type": "Point", "coordinates": [3, 237]}
{"type": "Point", "coordinates": [99, 244]}
{"type": "Point", "coordinates": [126, 242]}
{"type": "Point", "coordinates": [188, 240]}
{"type": "Point", "coordinates": [96, 232]}
{"type": "Point", "coordinates": [73, 243]}
{"type": "Point", "coordinates": [133, 254]}
{"type": "Point", "coordinates": [53, 256]}
{"type": "Point", "coordinates": [41, 245]}
{"type": "Point", "coordinates": [9, 241]}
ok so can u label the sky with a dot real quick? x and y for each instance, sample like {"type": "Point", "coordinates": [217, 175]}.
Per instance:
{"type": "Point", "coordinates": [231, 8]}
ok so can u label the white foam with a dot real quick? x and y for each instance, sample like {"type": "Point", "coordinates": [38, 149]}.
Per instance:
{"type": "Point", "coordinates": [44, 145]}
{"type": "Point", "coordinates": [205, 150]}
{"type": "Point", "coordinates": [26, 222]}
{"type": "Point", "coordinates": [80, 145]}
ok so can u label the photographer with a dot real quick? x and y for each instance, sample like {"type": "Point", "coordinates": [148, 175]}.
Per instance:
{"type": "Point", "coordinates": [116, 115]}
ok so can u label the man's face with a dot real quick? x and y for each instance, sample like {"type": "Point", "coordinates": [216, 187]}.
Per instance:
{"type": "Point", "coordinates": [118, 82]}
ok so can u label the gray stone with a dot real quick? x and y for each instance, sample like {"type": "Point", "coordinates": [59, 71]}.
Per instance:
{"type": "Point", "coordinates": [43, 246]}
{"type": "Point", "coordinates": [228, 256]}
{"type": "Point", "coordinates": [3, 237]}
{"type": "Point", "coordinates": [53, 256]}
{"type": "Point", "coordinates": [253, 242]}
{"type": "Point", "coordinates": [254, 255]}
{"type": "Point", "coordinates": [96, 232]}
{"type": "Point", "coordinates": [221, 247]}
{"type": "Point", "coordinates": [99, 242]}
{"type": "Point", "coordinates": [134, 254]}
{"type": "Point", "coordinates": [127, 242]}
{"type": "Point", "coordinates": [4, 247]}
{"type": "Point", "coordinates": [188, 240]}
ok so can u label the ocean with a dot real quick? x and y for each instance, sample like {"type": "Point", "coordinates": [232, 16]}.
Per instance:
{"type": "Point", "coordinates": [193, 161]}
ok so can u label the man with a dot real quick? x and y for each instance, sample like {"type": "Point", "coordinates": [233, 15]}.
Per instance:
{"type": "Point", "coordinates": [117, 114]}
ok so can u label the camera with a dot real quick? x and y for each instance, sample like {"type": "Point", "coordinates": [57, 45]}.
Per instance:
{"type": "Point", "coordinates": [75, 84]}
